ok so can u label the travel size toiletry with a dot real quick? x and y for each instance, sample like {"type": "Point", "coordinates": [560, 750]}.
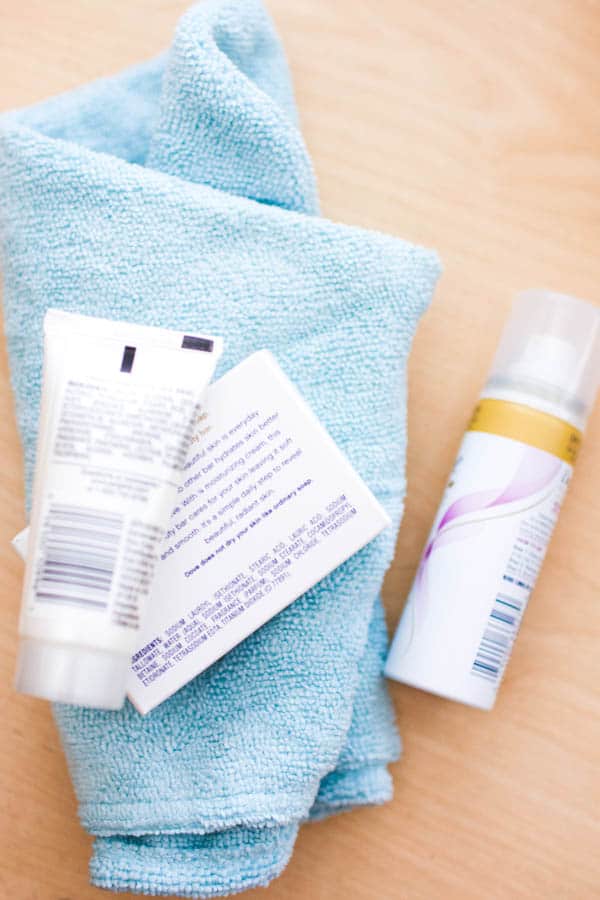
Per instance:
{"type": "Point", "coordinates": [119, 403]}
{"type": "Point", "coordinates": [267, 505]}
{"type": "Point", "coordinates": [502, 501]}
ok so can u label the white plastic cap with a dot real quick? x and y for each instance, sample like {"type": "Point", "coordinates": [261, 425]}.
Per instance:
{"type": "Point", "coordinates": [549, 354]}
{"type": "Point", "coordinates": [69, 673]}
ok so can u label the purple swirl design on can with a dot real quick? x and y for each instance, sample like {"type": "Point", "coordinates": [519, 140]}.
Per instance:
{"type": "Point", "coordinates": [536, 470]}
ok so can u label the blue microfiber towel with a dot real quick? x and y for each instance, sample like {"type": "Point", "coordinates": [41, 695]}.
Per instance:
{"type": "Point", "coordinates": [180, 194]}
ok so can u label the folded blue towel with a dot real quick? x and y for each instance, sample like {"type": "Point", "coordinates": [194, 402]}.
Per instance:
{"type": "Point", "coordinates": [180, 194]}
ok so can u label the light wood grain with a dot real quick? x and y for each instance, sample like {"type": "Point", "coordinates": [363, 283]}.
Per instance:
{"type": "Point", "coordinates": [471, 127]}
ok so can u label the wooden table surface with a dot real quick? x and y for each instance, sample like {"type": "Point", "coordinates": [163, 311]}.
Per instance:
{"type": "Point", "coordinates": [472, 127]}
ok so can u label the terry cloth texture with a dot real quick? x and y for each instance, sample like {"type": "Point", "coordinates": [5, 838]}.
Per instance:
{"type": "Point", "coordinates": [180, 194]}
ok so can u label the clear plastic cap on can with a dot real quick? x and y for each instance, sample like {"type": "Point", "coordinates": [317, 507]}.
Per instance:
{"type": "Point", "coordinates": [69, 673]}
{"type": "Point", "coordinates": [549, 353]}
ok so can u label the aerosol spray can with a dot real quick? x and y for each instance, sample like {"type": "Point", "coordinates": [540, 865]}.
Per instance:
{"type": "Point", "coordinates": [490, 535]}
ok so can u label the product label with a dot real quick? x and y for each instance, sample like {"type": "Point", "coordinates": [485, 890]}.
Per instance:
{"type": "Point", "coordinates": [479, 566]}
{"type": "Point", "coordinates": [268, 505]}
{"type": "Point", "coordinates": [116, 448]}
{"type": "Point", "coordinates": [119, 405]}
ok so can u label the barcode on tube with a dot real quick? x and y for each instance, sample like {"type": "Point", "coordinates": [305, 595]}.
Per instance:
{"type": "Point", "coordinates": [498, 638]}
{"type": "Point", "coordinates": [79, 555]}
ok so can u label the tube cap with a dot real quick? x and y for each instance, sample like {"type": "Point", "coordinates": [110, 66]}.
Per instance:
{"type": "Point", "coordinates": [69, 673]}
{"type": "Point", "coordinates": [550, 351]}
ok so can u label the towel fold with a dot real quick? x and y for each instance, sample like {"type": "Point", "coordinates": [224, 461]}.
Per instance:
{"type": "Point", "coordinates": [180, 194]}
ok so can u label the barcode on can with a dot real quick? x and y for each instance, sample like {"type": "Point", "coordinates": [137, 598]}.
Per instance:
{"type": "Point", "coordinates": [498, 638]}
{"type": "Point", "coordinates": [79, 552]}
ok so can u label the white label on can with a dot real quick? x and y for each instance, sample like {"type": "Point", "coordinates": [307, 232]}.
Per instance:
{"type": "Point", "coordinates": [478, 568]}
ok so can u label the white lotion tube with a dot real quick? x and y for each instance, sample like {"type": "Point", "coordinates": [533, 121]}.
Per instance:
{"type": "Point", "coordinates": [502, 501]}
{"type": "Point", "coordinates": [118, 407]}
